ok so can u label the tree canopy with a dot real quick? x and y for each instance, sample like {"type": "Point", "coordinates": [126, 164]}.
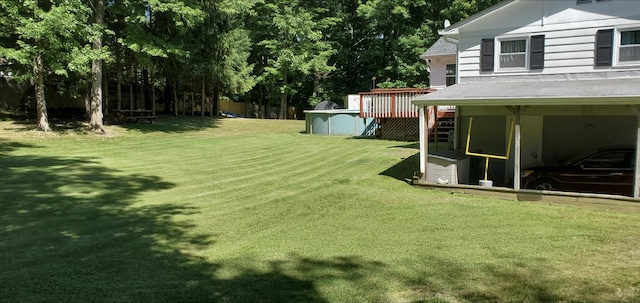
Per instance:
{"type": "Point", "coordinates": [272, 53]}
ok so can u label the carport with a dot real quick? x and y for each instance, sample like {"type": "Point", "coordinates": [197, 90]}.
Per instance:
{"type": "Point", "coordinates": [613, 103]}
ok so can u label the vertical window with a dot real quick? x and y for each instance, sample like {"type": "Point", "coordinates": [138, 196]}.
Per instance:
{"type": "Point", "coordinates": [451, 74]}
{"type": "Point", "coordinates": [629, 49]}
{"type": "Point", "coordinates": [513, 53]}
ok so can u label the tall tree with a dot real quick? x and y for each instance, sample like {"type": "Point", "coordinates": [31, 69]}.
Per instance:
{"type": "Point", "coordinates": [293, 44]}
{"type": "Point", "coordinates": [384, 39]}
{"type": "Point", "coordinates": [149, 40]}
{"type": "Point", "coordinates": [46, 37]}
{"type": "Point", "coordinates": [96, 123]}
{"type": "Point", "coordinates": [219, 49]}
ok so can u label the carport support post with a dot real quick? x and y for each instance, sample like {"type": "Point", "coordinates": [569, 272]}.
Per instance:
{"type": "Point", "coordinates": [424, 141]}
{"type": "Point", "coordinates": [636, 177]}
{"type": "Point", "coordinates": [516, 151]}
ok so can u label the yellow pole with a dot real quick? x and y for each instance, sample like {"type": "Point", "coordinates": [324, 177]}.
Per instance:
{"type": "Point", "coordinates": [510, 140]}
{"type": "Point", "coordinates": [469, 135]}
{"type": "Point", "coordinates": [486, 169]}
{"type": "Point", "coordinates": [487, 156]}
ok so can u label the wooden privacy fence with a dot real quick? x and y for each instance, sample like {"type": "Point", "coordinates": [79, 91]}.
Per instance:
{"type": "Point", "coordinates": [233, 107]}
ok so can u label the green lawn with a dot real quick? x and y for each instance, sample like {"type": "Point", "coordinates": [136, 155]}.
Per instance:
{"type": "Point", "coordinates": [238, 210]}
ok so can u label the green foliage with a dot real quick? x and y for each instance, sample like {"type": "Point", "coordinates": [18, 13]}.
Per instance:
{"type": "Point", "coordinates": [57, 31]}
{"type": "Point", "coordinates": [392, 84]}
{"type": "Point", "coordinates": [309, 51]}
{"type": "Point", "coordinates": [233, 71]}
{"type": "Point", "coordinates": [461, 9]}
{"type": "Point", "coordinates": [290, 37]}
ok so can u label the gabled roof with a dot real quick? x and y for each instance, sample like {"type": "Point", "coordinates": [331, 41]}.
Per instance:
{"type": "Point", "coordinates": [453, 29]}
{"type": "Point", "coordinates": [442, 47]}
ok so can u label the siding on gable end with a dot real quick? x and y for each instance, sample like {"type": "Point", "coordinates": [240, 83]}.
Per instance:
{"type": "Point", "coordinates": [569, 40]}
{"type": "Point", "coordinates": [571, 50]}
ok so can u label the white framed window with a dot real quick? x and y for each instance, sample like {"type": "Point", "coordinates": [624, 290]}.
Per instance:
{"type": "Point", "coordinates": [512, 53]}
{"type": "Point", "coordinates": [451, 74]}
{"type": "Point", "coordinates": [628, 46]}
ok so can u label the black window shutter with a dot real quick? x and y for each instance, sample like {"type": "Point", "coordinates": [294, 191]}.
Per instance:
{"type": "Point", "coordinates": [604, 47]}
{"type": "Point", "coordinates": [537, 52]}
{"type": "Point", "coordinates": [486, 55]}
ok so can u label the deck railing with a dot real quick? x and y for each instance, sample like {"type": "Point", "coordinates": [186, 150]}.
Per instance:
{"type": "Point", "coordinates": [393, 103]}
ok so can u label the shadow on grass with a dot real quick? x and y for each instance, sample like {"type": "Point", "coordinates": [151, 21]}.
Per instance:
{"type": "Point", "coordinates": [525, 282]}
{"type": "Point", "coordinates": [72, 231]}
{"type": "Point", "coordinates": [66, 120]}
{"type": "Point", "coordinates": [415, 145]}
{"type": "Point", "coordinates": [74, 121]}
{"type": "Point", "coordinates": [294, 279]}
{"type": "Point", "coordinates": [172, 124]}
{"type": "Point", "coordinates": [404, 169]}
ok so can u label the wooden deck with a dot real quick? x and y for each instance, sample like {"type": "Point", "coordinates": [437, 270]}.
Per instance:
{"type": "Point", "coordinates": [390, 103]}
{"type": "Point", "coordinates": [398, 117]}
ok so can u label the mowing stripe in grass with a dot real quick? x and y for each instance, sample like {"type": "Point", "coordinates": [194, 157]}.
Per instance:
{"type": "Point", "coordinates": [252, 211]}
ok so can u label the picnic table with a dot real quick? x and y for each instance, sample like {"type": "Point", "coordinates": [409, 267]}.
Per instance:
{"type": "Point", "coordinates": [136, 114]}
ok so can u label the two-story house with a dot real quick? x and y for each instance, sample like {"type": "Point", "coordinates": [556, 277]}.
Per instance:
{"type": "Point", "coordinates": [541, 81]}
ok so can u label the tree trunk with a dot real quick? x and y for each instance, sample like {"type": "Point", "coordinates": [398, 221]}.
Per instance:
{"type": "Point", "coordinates": [153, 94]}
{"type": "Point", "coordinates": [175, 98]}
{"type": "Point", "coordinates": [143, 83]}
{"type": "Point", "coordinates": [41, 103]}
{"type": "Point", "coordinates": [193, 104]}
{"type": "Point", "coordinates": [146, 89]}
{"type": "Point", "coordinates": [131, 86]}
{"type": "Point", "coordinates": [96, 72]}
{"type": "Point", "coordinates": [263, 103]}
{"type": "Point", "coordinates": [283, 99]}
{"type": "Point", "coordinates": [184, 103]}
{"type": "Point", "coordinates": [87, 102]}
{"type": "Point", "coordinates": [202, 101]}
{"type": "Point", "coordinates": [105, 88]}
{"type": "Point", "coordinates": [167, 96]}
{"type": "Point", "coordinates": [215, 101]}
{"type": "Point", "coordinates": [118, 79]}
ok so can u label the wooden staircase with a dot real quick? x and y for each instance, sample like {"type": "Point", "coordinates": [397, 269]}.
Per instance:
{"type": "Point", "coordinates": [444, 126]}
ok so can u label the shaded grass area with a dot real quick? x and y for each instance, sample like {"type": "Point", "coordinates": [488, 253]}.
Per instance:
{"type": "Point", "coordinates": [241, 210]}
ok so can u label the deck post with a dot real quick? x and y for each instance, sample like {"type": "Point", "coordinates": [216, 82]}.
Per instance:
{"type": "Point", "coordinates": [393, 105]}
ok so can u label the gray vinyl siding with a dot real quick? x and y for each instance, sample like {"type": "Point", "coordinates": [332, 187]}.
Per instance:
{"type": "Point", "coordinates": [569, 45]}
